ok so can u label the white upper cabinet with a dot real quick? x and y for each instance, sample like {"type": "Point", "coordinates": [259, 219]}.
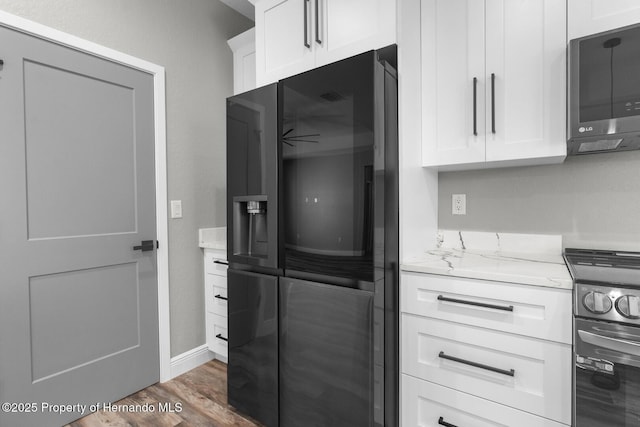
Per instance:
{"type": "Point", "coordinates": [493, 86]}
{"type": "Point", "coordinates": [244, 61]}
{"type": "Point", "coordinates": [283, 38]}
{"type": "Point", "coordinates": [349, 27]}
{"type": "Point", "coordinates": [593, 16]}
{"type": "Point", "coordinates": [293, 36]}
{"type": "Point", "coordinates": [453, 46]}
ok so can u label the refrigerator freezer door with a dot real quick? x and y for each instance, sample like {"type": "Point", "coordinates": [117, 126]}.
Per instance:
{"type": "Point", "coordinates": [252, 178]}
{"type": "Point", "coordinates": [326, 357]}
{"type": "Point", "coordinates": [253, 345]}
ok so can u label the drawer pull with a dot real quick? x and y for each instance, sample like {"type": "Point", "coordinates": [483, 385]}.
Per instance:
{"type": "Point", "coordinates": [215, 261]}
{"type": "Point", "coordinates": [442, 422]}
{"type": "Point", "coordinates": [509, 373]}
{"type": "Point", "coordinates": [219, 336]}
{"type": "Point", "coordinates": [220, 297]}
{"type": "Point", "coordinates": [478, 304]}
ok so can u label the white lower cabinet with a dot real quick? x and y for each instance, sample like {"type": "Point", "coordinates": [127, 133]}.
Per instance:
{"type": "Point", "coordinates": [215, 293]}
{"type": "Point", "coordinates": [506, 363]}
{"type": "Point", "coordinates": [217, 335]}
{"type": "Point", "coordinates": [517, 371]}
{"type": "Point", "coordinates": [426, 404]}
{"type": "Point", "coordinates": [518, 309]}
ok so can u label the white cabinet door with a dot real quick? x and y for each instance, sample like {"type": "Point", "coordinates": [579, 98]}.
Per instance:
{"type": "Point", "coordinates": [493, 82]}
{"type": "Point", "coordinates": [539, 312]}
{"type": "Point", "coordinates": [525, 373]}
{"type": "Point", "coordinates": [283, 47]}
{"type": "Point", "coordinates": [526, 68]}
{"type": "Point", "coordinates": [345, 28]}
{"type": "Point", "coordinates": [215, 293]}
{"type": "Point", "coordinates": [593, 16]}
{"type": "Point", "coordinates": [217, 335]}
{"type": "Point", "coordinates": [452, 57]}
{"type": "Point", "coordinates": [244, 61]}
{"type": "Point", "coordinates": [429, 405]}
{"type": "Point", "coordinates": [293, 36]}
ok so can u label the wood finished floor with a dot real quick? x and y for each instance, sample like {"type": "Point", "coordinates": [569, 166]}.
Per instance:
{"type": "Point", "coordinates": [201, 391]}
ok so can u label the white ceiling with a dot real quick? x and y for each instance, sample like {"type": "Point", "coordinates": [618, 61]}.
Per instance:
{"type": "Point", "coordinates": [245, 7]}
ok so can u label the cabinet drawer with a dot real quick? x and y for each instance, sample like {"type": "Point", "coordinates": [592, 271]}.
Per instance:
{"type": "Point", "coordinates": [539, 312]}
{"type": "Point", "coordinates": [525, 373]}
{"type": "Point", "coordinates": [217, 334]}
{"type": "Point", "coordinates": [216, 294]}
{"type": "Point", "coordinates": [215, 262]}
{"type": "Point", "coordinates": [424, 403]}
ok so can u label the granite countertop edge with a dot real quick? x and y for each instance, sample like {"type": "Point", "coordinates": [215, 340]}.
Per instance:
{"type": "Point", "coordinates": [546, 270]}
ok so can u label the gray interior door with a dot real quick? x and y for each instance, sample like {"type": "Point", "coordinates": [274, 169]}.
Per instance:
{"type": "Point", "coordinates": [78, 306]}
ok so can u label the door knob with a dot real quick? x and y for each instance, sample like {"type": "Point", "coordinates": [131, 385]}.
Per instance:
{"type": "Point", "coordinates": [145, 246]}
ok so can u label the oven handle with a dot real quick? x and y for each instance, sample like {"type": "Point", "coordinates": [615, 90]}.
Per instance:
{"type": "Point", "coordinates": [621, 346]}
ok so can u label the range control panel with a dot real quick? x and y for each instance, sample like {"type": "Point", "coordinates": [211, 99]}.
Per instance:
{"type": "Point", "coordinates": [616, 304]}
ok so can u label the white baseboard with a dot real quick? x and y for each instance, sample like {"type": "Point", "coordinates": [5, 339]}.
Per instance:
{"type": "Point", "coordinates": [189, 360]}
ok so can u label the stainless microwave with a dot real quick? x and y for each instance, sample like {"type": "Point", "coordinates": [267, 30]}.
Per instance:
{"type": "Point", "coordinates": [604, 92]}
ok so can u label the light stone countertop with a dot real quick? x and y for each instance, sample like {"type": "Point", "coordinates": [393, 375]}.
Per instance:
{"type": "Point", "coordinates": [529, 259]}
{"type": "Point", "coordinates": [213, 238]}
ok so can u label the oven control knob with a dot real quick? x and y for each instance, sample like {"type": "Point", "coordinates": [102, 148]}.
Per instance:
{"type": "Point", "coordinates": [597, 302]}
{"type": "Point", "coordinates": [629, 306]}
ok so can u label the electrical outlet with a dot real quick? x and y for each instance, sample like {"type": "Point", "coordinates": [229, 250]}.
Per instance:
{"type": "Point", "coordinates": [459, 204]}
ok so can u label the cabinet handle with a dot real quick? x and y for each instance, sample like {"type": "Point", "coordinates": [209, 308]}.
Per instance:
{"type": "Point", "coordinates": [478, 304]}
{"type": "Point", "coordinates": [475, 105]}
{"type": "Point", "coordinates": [318, 40]}
{"type": "Point", "coordinates": [219, 336]}
{"type": "Point", "coordinates": [306, 24]}
{"type": "Point", "coordinates": [493, 103]}
{"type": "Point", "coordinates": [442, 422]}
{"type": "Point", "coordinates": [220, 297]}
{"type": "Point", "coordinates": [215, 261]}
{"type": "Point", "coordinates": [509, 373]}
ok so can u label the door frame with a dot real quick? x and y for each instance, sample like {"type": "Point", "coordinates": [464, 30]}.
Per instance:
{"type": "Point", "coordinates": [26, 26]}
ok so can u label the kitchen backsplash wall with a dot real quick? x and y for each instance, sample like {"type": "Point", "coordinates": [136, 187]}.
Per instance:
{"type": "Point", "coordinates": [592, 201]}
{"type": "Point", "coordinates": [189, 39]}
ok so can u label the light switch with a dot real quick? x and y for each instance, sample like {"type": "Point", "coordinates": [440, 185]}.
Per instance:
{"type": "Point", "coordinates": [176, 209]}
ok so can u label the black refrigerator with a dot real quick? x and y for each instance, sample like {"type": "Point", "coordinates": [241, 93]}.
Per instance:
{"type": "Point", "coordinates": [312, 204]}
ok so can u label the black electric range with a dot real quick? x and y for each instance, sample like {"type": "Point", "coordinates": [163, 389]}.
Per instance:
{"type": "Point", "coordinates": [606, 337]}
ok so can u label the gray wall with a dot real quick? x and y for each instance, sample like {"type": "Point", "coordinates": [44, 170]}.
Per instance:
{"type": "Point", "coordinates": [592, 201]}
{"type": "Point", "coordinates": [188, 38]}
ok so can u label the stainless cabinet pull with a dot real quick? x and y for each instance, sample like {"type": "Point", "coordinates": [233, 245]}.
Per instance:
{"type": "Point", "coordinates": [442, 422]}
{"type": "Point", "coordinates": [493, 103]}
{"type": "Point", "coordinates": [221, 337]}
{"type": "Point", "coordinates": [509, 373]}
{"type": "Point", "coordinates": [477, 304]}
{"type": "Point", "coordinates": [318, 40]}
{"type": "Point", "coordinates": [306, 24]}
{"type": "Point", "coordinates": [475, 107]}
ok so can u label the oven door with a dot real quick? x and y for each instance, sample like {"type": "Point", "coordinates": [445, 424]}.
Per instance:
{"type": "Point", "coordinates": [607, 374]}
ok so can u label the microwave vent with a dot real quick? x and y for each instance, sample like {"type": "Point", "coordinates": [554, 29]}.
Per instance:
{"type": "Point", "coordinates": [599, 145]}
